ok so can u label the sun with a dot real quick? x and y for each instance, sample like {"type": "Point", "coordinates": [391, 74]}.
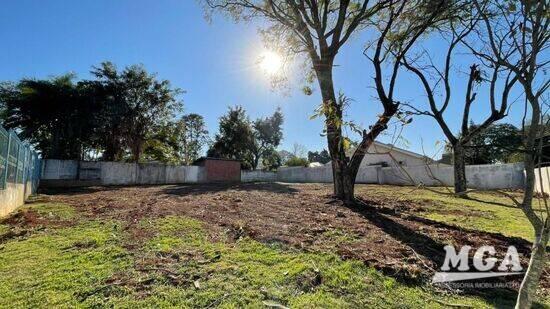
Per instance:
{"type": "Point", "coordinates": [271, 62]}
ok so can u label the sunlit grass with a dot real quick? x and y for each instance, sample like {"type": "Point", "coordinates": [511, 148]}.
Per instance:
{"type": "Point", "coordinates": [489, 212]}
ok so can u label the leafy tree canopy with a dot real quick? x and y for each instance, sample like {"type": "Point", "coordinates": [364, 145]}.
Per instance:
{"type": "Point", "coordinates": [268, 133]}
{"type": "Point", "coordinates": [319, 156]}
{"type": "Point", "coordinates": [241, 139]}
{"type": "Point", "coordinates": [235, 138]}
{"type": "Point", "coordinates": [297, 161]}
{"type": "Point", "coordinates": [496, 144]}
{"type": "Point", "coordinates": [116, 115]}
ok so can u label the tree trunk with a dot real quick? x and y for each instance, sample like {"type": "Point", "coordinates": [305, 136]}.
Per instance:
{"type": "Point", "coordinates": [348, 187]}
{"type": "Point", "coordinates": [344, 182]}
{"type": "Point", "coordinates": [459, 165]}
{"type": "Point", "coordinates": [256, 161]}
{"type": "Point", "coordinates": [542, 229]}
{"type": "Point", "coordinates": [137, 149]}
{"type": "Point", "coordinates": [341, 181]}
{"type": "Point", "coordinates": [534, 271]}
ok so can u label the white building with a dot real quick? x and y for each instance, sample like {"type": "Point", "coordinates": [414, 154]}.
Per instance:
{"type": "Point", "coordinates": [380, 154]}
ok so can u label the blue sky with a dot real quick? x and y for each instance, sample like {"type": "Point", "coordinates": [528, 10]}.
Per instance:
{"type": "Point", "coordinates": [213, 62]}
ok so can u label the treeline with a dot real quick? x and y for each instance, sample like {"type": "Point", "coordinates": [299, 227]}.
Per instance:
{"type": "Point", "coordinates": [118, 115]}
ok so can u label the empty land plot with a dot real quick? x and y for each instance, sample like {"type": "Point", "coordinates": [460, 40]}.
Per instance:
{"type": "Point", "coordinates": [269, 244]}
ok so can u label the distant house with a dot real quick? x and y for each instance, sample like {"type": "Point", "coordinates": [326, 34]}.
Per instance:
{"type": "Point", "coordinates": [380, 154]}
{"type": "Point", "coordinates": [315, 164]}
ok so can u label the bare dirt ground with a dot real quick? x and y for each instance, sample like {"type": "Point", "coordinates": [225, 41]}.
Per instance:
{"type": "Point", "coordinates": [384, 233]}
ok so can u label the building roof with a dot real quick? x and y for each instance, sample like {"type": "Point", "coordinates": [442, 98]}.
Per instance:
{"type": "Point", "coordinates": [388, 148]}
{"type": "Point", "coordinates": [396, 149]}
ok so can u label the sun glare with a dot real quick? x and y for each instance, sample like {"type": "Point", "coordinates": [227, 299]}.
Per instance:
{"type": "Point", "coordinates": [271, 62]}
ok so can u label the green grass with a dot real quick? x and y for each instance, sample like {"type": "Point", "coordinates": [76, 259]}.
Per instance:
{"type": "Point", "coordinates": [490, 212]}
{"type": "Point", "coordinates": [52, 211]}
{"type": "Point", "coordinates": [57, 268]}
{"type": "Point", "coordinates": [178, 265]}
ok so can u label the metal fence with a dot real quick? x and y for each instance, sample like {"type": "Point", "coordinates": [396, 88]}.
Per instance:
{"type": "Point", "coordinates": [18, 162]}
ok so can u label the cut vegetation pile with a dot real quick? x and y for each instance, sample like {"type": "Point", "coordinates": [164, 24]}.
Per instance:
{"type": "Point", "coordinates": [268, 245]}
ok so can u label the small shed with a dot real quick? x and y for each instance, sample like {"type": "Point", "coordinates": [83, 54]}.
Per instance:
{"type": "Point", "coordinates": [220, 169]}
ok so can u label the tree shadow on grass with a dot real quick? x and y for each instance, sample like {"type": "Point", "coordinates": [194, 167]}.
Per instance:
{"type": "Point", "coordinates": [208, 188]}
{"type": "Point", "coordinates": [491, 202]}
{"type": "Point", "coordinates": [77, 190]}
{"type": "Point", "coordinates": [432, 249]}
{"type": "Point", "coordinates": [179, 189]}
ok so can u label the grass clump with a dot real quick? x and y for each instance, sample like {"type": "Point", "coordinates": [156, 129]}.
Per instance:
{"type": "Point", "coordinates": [340, 236]}
{"type": "Point", "coordinates": [54, 211]}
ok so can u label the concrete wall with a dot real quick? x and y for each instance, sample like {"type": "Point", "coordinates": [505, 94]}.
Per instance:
{"type": "Point", "coordinates": [12, 197]}
{"type": "Point", "coordinates": [117, 173]}
{"type": "Point", "coordinates": [542, 180]}
{"type": "Point", "coordinates": [304, 174]}
{"type": "Point", "coordinates": [59, 169]}
{"type": "Point", "coordinates": [258, 176]}
{"type": "Point", "coordinates": [15, 194]}
{"type": "Point", "coordinates": [66, 173]}
{"type": "Point", "coordinates": [369, 174]}
{"type": "Point", "coordinates": [497, 176]}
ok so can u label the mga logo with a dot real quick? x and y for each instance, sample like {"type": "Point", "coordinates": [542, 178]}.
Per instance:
{"type": "Point", "coordinates": [456, 266]}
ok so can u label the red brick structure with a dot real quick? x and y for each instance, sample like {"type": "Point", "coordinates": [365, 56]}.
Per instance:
{"type": "Point", "coordinates": [220, 170]}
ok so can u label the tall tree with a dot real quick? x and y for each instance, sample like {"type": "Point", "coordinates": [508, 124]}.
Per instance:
{"type": "Point", "coordinates": [400, 26]}
{"type": "Point", "coordinates": [268, 133]}
{"type": "Point", "coordinates": [441, 87]}
{"type": "Point", "coordinates": [138, 104]}
{"type": "Point", "coordinates": [319, 29]}
{"type": "Point", "coordinates": [235, 138]}
{"type": "Point", "coordinates": [515, 35]}
{"type": "Point", "coordinates": [52, 114]}
{"type": "Point", "coordinates": [193, 137]}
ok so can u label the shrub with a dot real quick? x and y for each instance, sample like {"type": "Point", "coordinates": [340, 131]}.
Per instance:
{"type": "Point", "coordinates": [295, 161]}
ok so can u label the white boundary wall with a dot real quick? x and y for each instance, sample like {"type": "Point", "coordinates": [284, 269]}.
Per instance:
{"type": "Point", "coordinates": [542, 180]}
{"type": "Point", "coordinates": [494, 176]}
{"type": "Point", "coordinates": [68, 172]}
{"type": "Point", "coordinates": [258, 176]}
{"type": "Point", "coordinates": [497, 176]}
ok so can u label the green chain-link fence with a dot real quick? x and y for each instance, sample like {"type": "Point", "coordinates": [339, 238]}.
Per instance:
{"type": "Point", "coordinates": [18, 163]}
